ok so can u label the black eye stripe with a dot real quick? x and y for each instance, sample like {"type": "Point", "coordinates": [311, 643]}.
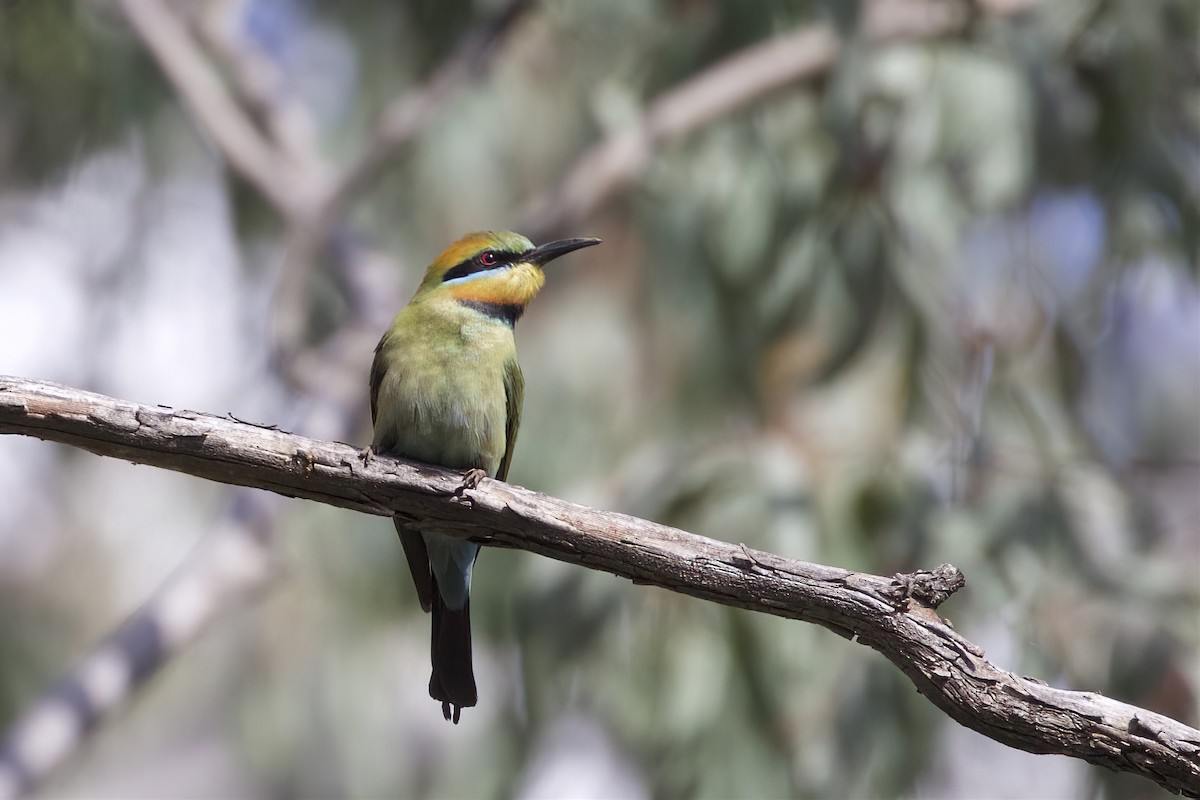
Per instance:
{"type": "Point", "coordinates": [475, 264]}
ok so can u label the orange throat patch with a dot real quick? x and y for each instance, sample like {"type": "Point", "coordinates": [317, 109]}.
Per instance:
{"type": "Point", "coordinates": [514, 286]}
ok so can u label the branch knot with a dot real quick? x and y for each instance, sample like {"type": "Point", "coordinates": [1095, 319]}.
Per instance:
{"type": "Point", "coordinates": [930, 589]}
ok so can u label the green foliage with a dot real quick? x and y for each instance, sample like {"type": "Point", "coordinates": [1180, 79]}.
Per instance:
{"type": "Point", "coordinates": [70, 79]}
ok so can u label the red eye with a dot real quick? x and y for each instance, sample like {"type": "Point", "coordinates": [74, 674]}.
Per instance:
{"type": "Point", "coordinates": [487, 259]}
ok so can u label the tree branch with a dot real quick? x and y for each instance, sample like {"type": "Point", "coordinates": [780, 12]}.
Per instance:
{"type": "Point", "coordinates": [407, 116]}
{"type": "Point", "coordinates": [739, 81]}
{"type": "Point", "coordinates": [229, 566]}
{"type": "Point", "coordinates": [403, 119]}
{"type": "Point", "coordinates": [260, 85]}
{"type": "Point", "coordinates": [309, 193]}
{"type": "Point", "coordinates": [893, 616]}
{"type": "Point", "coordinates": [728, 86]}
{"type": "Point", "coordinates": [205, 95]}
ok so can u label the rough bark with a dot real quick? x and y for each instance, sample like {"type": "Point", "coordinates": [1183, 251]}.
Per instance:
{"type": "Point", "coordinates": [894, 616]}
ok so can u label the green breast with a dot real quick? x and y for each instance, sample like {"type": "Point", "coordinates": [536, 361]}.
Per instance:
{"type": "Point", "coordinates": [439, 387]}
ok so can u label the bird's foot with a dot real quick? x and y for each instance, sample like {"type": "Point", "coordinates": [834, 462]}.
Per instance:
{"type": "Point", "coordinates": [446, 712]}
{"type": "Point", "coordinates": [367, 454]}
{"type": "Point", "coordinates": [471, 480]}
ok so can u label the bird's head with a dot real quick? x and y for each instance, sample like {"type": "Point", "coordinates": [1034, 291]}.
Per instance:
{"type": "Point", "coordinates": [497, 270]}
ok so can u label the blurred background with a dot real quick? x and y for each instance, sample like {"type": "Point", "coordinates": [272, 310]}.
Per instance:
{"type": "Point", "coordinates": [884, 285]}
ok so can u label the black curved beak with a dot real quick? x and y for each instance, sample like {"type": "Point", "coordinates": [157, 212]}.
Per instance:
{"type": "Point", "coordinates": [551, 250]}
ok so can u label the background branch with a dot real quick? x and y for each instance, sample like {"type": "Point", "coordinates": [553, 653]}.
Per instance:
{"type": "Point", "coordinates": [230, 565]}
{"type": "Point", "coordinates": [739, 81]}
{"type": "Point", "coordinates": [310, 194]}
{"type": "Point", "coordinates": [408, 115]}
{"type": "Point", "coordinates": [894, 617]}
{"type": "Point", "coordinates": [401, 121]}
{"type": "Point", "coordinates": [204, 93]}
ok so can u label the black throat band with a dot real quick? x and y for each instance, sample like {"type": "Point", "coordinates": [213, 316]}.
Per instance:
{"type": "Point", "coordinates": [508, 313]}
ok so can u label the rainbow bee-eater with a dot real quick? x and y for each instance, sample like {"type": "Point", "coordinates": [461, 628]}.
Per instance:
{"type": "Point", "coordinates": [446, 389]}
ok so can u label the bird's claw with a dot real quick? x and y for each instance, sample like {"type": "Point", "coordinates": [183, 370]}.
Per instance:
{"type": "Point", "coordinates": [471, 480]}
{"type": "Point", "coordinates": [367, 454]}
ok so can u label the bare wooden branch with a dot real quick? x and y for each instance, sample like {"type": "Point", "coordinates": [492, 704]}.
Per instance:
{"type": "Point", "coordinates": [892, 616]}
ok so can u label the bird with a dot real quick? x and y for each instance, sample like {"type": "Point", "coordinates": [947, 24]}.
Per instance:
{"type": "Point", "coordinates": [446, 389]}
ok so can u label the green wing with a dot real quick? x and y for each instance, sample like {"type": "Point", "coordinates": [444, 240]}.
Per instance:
{"type": "Point", "coordinates": [514, 395]}
{"type": "Point", "coordinates": [414, 545]}
{"type": "Point", "coordinates": [378, 369]}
